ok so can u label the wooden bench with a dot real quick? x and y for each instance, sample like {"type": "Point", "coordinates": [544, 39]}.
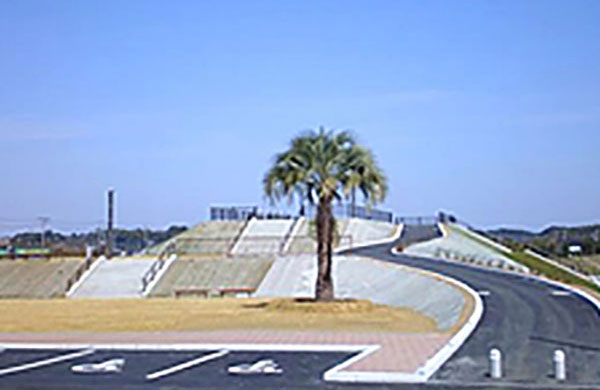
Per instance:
{"type": "Point", "coordinates": [191, 291]}
{"type": "Point", "coordinates": [236, 291]}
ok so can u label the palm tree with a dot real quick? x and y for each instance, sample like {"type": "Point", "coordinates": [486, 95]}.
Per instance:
{"type": "Point", "coordinates": [323, 166]}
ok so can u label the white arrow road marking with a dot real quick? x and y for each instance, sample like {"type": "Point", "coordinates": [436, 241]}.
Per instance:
{"type": "Point", "coordinates": [561, 293]}
{"type": "Point", "coordinates": [45, 362]}
{"type": "Point", "coordinates": [183, 366]}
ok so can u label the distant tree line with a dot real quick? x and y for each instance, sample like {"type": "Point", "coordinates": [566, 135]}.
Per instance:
{"type": "Point", "coordinates": [74, 244]}
{"type": "Point", "coordinates": [554, 240]}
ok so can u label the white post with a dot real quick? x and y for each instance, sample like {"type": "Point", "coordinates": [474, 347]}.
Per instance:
{"type": "Point", "coordinates": [89, 252]}
{"type": "Point", "coordinates": [495, 363]}
{"type": "Point", "coordinates": [560, 370]}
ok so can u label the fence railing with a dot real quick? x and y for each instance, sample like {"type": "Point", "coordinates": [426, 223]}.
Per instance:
{"type": "Point", "coordinates": [242, 213]}
{"type": "Point", "coordinates": [350, 211]}
{"type": "Point", "coordinates": [233, 213]}
{"type": "Point", "coordinates": [417, 221]}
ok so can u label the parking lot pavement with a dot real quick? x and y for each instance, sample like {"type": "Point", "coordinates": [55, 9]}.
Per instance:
{"type": "Point", "coordinates": [300, 370]}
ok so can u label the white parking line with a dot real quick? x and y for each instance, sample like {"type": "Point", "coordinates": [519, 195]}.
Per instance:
{"type": "Point", "coordinates": [484, 293]}
{"type": "Point", "coordinates": [183, 366]}
{"type": "Point", "coordinates": [45, 362]}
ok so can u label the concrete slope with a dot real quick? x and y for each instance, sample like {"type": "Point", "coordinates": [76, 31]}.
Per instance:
{"type": "Point", "coordinates": [114, 279]}
{"type": "Point", "coordinates": [35, 278]}
{"type": "Point", "coordinates": [458, 245]}
{"type": "Point", "coordinates": [362, 278]}
{"type": "Point", "coordinates": [367, 231]}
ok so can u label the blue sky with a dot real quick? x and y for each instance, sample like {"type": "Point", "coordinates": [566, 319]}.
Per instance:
{"type": "Point", "coordinates": [487, 109]}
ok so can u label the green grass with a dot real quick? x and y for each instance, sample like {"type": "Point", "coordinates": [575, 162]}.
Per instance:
{"type": "Point", "coordinates": [536, 265]}
{"type": "Point", "coordinates": [551, 271]}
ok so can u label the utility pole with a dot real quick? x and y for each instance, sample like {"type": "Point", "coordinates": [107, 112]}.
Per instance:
{"type": "Point", "coordinates": [43, 224]}
{"type": "Point", "coordinates": [109, 231]}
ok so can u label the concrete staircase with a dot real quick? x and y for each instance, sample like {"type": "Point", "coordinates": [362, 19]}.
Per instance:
{"type": "Point", "coordinates": [121, 278]}
{"type": "Point", "coordinates": [263, 236]}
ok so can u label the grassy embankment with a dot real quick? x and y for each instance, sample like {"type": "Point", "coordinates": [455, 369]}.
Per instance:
{"type": "Point", "coordinates": [539, 267]}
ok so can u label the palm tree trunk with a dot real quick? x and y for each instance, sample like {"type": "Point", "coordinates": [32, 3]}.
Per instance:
{"type": "Point", "coordinates": [325, 223]}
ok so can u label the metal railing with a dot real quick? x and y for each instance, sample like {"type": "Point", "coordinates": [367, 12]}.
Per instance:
{"type": "Point", "coordinates": [417, 221]}
{"type": "Point", "coordinates": [156, 266]}
{"type": "Point", "coordinates": [149, 276]}
{"type": "Point", "coordinates": [232, 213]}
{"type": "Point", "coordinates": [242, 213]}
{"type": "Point", "coordinates": [87, 263]}
{"type": "Point", "coordinates": [350, 211]}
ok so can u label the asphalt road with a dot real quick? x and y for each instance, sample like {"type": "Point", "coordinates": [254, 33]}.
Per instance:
{"type": "Point", "coordinates": [523, 319]}
{"type": "Point", "coordinates": [301, 370]}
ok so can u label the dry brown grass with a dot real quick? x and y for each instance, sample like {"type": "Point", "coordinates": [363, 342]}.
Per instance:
{"type": "Point", "coordinates": [204, 315]}
{"type": "Point", "coordinates": [593, 258]}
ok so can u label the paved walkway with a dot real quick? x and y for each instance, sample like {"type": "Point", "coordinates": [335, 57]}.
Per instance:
{"type": "Point", "coordinates": [398, 352]}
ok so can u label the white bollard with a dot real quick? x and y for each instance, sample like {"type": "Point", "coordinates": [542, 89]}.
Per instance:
{"type": "Point", "coordinates": [560, 370]}
{"type": "Point", "coordinates": [495, 363]}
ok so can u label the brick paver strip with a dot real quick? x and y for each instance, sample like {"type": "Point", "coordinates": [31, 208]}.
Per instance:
{"type": "Point", "coordinates": [399, 352]}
